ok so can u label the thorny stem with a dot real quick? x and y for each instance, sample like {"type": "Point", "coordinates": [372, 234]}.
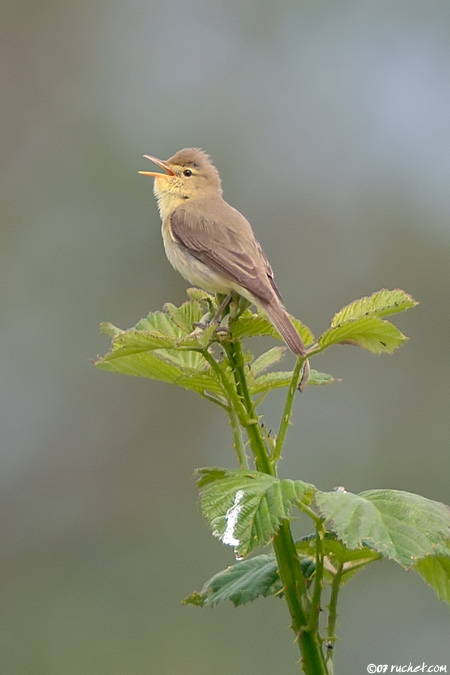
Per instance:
{"type": "Point", "coordinates": [294, 585]}
{"type": "Point", "coordinates": [285, 419]}
{"type": "Point", "coordinates": [332, 616]}
{"type": "Point", "coordinates": [238, 440]}
{"type": "Point", "coordinates": [228, 386]}
{"type": "Point", "coordinates": [318, 577]}
{"type": "Point", "coordinates": [236, 359]}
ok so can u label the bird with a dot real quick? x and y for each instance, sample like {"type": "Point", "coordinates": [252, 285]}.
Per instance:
{"type": "Point", "coordinates": [210, 243]}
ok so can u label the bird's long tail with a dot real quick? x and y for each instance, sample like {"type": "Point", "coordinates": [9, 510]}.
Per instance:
{"type": "Point", "coordinates": [285, 327]}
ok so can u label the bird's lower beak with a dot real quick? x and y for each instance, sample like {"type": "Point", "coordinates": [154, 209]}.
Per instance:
{"type": "Point", "coordinates": [160, 163]}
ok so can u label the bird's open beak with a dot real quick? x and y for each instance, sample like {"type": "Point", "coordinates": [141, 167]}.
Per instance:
{"type": "Point", "coordinates": [160, 163]}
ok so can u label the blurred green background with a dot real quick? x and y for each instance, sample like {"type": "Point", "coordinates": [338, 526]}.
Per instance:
{"type": "Point", "coordinates": [329, 122]}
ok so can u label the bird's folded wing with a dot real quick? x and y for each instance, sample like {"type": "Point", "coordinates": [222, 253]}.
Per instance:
{"type": "Point", "coordinates": [235, 256]}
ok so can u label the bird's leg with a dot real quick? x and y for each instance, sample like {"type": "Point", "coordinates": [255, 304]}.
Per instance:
{"type": "Point", "coordinates": [222, 315]}
{"type": "Point", "coordinates": [206, 319]}
{"type": "Point", "coordinates": [222, 307]}
{"type": "Point", "coordinates": [236, 305]}
{"type": "Point", "coordinates": [231, 307]}
{"type": "Point", "coordinates": [202, 324]}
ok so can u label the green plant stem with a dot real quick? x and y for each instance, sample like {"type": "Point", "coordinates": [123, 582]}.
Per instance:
{"type": "Point", "coordinates": [229, 387]}
{"type": "Point", "coordinates": [285, 419]}
{"type": "Point", "coordinates": [318, 578]}
{"type": "Point", "coordinates": [238, 440]}
{"type": "Point", "coordinates": [236, 411]}
{"type": "Point", "coordinates": [215, 400]}
{"type": "Point", "coordinates": [294, 585]}
{"type": "Point", "coordinates": [332, 616]}
{"type": "Point", "coordinates": [236, 359]}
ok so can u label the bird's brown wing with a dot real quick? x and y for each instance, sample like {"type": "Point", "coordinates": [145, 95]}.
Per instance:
{"type": "Point", "coordinates": [227, 246]}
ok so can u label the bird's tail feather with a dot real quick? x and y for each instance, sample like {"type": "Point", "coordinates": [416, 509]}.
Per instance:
{"type": "Point", "coordinates": [286, 328]}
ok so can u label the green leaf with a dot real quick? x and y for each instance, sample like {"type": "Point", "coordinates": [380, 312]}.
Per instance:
{"type": "Point", "coordinates": [152, 365]}
{"type": "Point", "coordinates": [185, 316]}
{"type": "Point", "coordinates": [160, 323]}
{"type": "Point", "coordinates": [268, 381]}
{"type": "Point", "coordinates": [257, 577]}
{"type": "Point", "coordinates": [436, 572]}
{"type": "Point", "coordinates": [135, 341]}
{"type": "Point", "coordinates": [382, 303]}
{"type": "Point", "coordinates": [337, 554]}
{"type": "Point", "coordinates": [360, 323]}
{"type": "Point", "coordinates": [203, 297]}
{"type": "Point", "coordinates": [164, 346]}
{"type": "Point", "coordinates": [398, 525]}
{"type": "Point", "coordinates": [260, 383]}
{"type": "Point", "coordinates": [176, 324]}
{"type": "Point", "coordinates": [107, 328]}
{"type": "Point", "coordinates": [318, 378]}
{"type": "Point", "coordinates": [267, 360]}
{"type": "Point", "coordinates": [304, 332]}
{"type": "Point", "coordinates": [245, 508]}
{"type": "Point", "coordinates": [243, 582]}
{"type": "Point", "coordinates": [368, 332]}
{"type": "Point", "coordinates": [253, 324]}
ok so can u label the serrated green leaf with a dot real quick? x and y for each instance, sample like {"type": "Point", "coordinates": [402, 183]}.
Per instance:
{"type": "Point", "coordinates": [141, 365]}
{"type": "Point", "coordinates": [195, 599]}
{"type": "Point", "coordinates": [251, 324]}
{"type": "Point", "coordinates": [399, 525]}
{"type": "Point", "coordinates": [337, 556]}
{"type": "Point", "coordinates": [185, 359]}
{"type": "Point", "coordinates": [202, 296]}
{"type": "Point", "coordinates": [436, 572]}
{"type": "Point", "coordinates": [159, 323]}
{"type": "Point", "coordinates": [368, 332]}
{"type": "Point", "coordinates": [185, 316]}
{"type": "Point", "coordinates": [254, 324]}
{"type": "Point", "coordinates": [152, 366]}
{"type": "Point", "coordinates": [268, 381]}
{"type": "Point", "coordinates": [319, 379]}
{"type": "Point", "coordinates": [360, 323]}
{"type": "Point", "coordinates": [140, 343]}
{"type": "Point", "coordinates": [304, 332]}
{"type": "Point", "coordinates": [107, 328]}
{"type": "Point", "coordinates": [241, 583]}
{"type": "Point", "coordinates": [245, 508]}
{"type": "Point", "coordinates": [267, 360]}
{"type": "Point", "coordinates": [135, 341]}
{"type": "Point", "coordinates": [336, 550]}
{"type": "Point", "coordinates": [382, 303]}
{"type": "Point", "coordinates": [164, 346]}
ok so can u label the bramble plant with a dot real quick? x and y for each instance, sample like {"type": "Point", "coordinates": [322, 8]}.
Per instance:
{"type": "Point", "coordinates": [251, 507]}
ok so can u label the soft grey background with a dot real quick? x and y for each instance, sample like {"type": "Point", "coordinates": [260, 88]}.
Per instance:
{"type": "Point", "coordinates": [329, 122]}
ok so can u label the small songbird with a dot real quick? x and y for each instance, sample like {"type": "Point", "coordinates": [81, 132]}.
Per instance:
{"type": "Point", "coordinates": [210, 243]}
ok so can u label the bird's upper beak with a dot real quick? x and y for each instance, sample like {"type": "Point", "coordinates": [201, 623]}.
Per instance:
{"type": "Point", "coordinates": [160, 163]}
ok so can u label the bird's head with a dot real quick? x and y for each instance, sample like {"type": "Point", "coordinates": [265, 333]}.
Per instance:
{"type": "Point", "coordinates": [189, 174]}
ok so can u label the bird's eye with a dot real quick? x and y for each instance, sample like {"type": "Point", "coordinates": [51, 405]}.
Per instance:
{"type": "Point", "coordinates": [187, 172]}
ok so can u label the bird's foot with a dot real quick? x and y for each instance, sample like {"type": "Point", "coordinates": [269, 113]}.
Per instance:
{"type": "Point", "coordinates": [223, 330]}
{"type": "Point", "coordinates": [223, 327]}
{"type": "Point", "coordinates": [199, 326]}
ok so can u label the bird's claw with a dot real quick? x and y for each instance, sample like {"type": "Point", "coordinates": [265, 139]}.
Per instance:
{"type": "Point", "coordinates": [222, 330]}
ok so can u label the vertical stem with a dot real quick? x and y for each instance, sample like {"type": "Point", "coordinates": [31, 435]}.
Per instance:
{"type": "Point", "coordinates": [318, 577]}
{"type": "Point", "coordinates": [238, 440]}
{"type": "Point", "coordinates": [236, 359]}
{"type": "Point", "coordinates": [294, 585]}
{"type": "Point", "coordinates": [236, 411]}
{"type": "Point", "coordinates": [285, 419]}
{"type": "Point", "coordinates": [332, 616]}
